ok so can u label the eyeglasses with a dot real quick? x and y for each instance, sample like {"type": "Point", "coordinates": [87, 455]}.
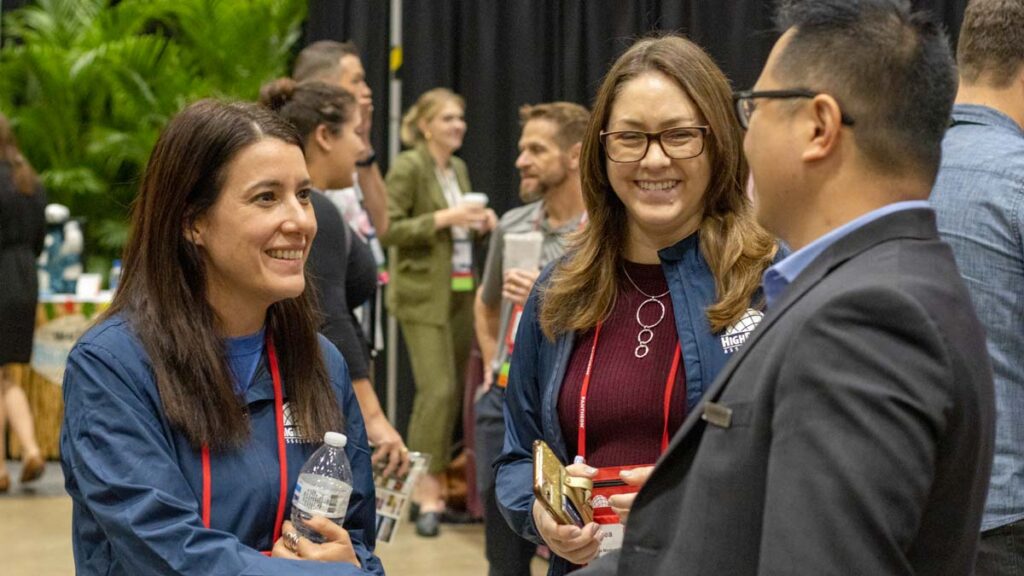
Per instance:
{"type": "Point", "coordinates": [678, 143]}
{"type": "Point", "coordinates": [745, 104]}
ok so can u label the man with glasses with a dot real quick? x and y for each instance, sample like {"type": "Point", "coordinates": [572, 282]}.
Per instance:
{"type": "Point", "coordinates": [852, 432]}
{"type": "Point", "coordinates": [979, 201]}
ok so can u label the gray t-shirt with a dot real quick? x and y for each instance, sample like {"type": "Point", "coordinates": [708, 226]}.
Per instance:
{"type": "Point", "coordinates": [518, 220]}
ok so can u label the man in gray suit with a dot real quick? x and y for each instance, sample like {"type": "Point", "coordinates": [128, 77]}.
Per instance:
{"type": "Point", "coordinates": [852, 434]}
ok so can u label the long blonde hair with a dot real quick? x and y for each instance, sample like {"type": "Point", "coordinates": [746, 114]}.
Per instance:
{"type": "Point", "coordinates": [582, 289]}
{"type": "Point", "coordinates": [426, 107]}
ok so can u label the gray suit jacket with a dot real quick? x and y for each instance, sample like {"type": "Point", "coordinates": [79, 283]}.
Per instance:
{"type": "Point", "coordinates": [853, 431]}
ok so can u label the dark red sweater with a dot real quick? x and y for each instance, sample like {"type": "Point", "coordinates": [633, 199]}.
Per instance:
{"type": "Point", "coordinates": [625, 403]}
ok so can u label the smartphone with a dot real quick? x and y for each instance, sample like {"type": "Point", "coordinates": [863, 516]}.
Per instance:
{"type": "Point", "coordinates": [564, 497]}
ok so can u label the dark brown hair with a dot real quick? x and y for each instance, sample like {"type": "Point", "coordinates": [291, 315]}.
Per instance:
{"type": "Point", "coordinates": [891, 69]}
{"type": "Point", "coordinates": [991, 46]}
{"type": "Point", "coordinates": [570, 119]}
{"type": "Point", "coordinates": [309, 104]}
{"type": "Point", "coordinates": [163, 290]}
{"type": "Point", "coordinates": [25, 179]}
{"type": "Point", "coordinates": [322, 61]}
{"type": "Point", "coordinates": [582, 289]}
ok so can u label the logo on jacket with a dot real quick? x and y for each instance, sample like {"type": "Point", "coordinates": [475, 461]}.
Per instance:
{"type": "Point", "coordinates": [738, 333]}
{"type": "Point", "coordinates": [292, 432]}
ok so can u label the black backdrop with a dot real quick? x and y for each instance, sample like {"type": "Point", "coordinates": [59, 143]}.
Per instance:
{"type": "Point", "coordinates": [501, 54]}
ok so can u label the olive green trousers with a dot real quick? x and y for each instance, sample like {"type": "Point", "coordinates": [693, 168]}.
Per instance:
{"type": "Point", "coordinates": [438, 355]}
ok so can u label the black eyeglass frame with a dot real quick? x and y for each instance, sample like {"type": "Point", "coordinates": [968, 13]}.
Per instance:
{"type": "Point", "coordinates": [742, 96]}
{"type": "Point", "coordinates": [704, 131]}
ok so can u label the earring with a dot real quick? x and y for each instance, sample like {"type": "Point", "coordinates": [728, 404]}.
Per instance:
{"type": "Point", "coordinates": [428, 135]}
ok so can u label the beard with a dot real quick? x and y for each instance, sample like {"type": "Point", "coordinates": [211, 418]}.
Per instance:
{"type": "Point", "coordinates": [529, 194]}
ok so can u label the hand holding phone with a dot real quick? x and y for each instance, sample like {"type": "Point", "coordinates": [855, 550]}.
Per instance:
{"type": "Point", "coordinates": [564, 496]}
{"type": "Point", "coordinates": [561, 511]}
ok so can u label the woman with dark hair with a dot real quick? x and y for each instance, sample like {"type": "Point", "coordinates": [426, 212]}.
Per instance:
{"type": "Point", "coordinates": [341, 264]}
{"type": "Point", "coordinates": [193, 403]}
{"type": "Point", "coordinates": [22, 231]}
{"type": "Point", "coordinates": [619, 339]}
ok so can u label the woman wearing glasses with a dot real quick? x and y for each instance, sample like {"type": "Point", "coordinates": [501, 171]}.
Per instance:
{"type": "Point", "coordinates": [622, 337]}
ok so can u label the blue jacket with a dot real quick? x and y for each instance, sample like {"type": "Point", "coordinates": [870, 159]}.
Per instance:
{"type": "Point", "coordinates": [136, 483]}
{"type": "Point", "coordinates": [539, 365]}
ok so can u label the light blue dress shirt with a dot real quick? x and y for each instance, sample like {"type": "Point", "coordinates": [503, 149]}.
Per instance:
{"type": "Point", "coordinates": [979, 205]}
{"type": "Point", "coordinates": [777, 278]}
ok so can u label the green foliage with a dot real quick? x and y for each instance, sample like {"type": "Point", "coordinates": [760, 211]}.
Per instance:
{"type": "Point", "coordinates": [88, 85]}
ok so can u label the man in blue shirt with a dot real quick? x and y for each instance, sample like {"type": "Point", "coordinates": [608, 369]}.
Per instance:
{"type": "Point", "coordinates": [979, 201]}
{"type": "Point", "coordinates": [852, 432]}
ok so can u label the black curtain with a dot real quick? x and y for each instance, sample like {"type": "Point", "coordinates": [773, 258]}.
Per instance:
{"type": "Point", "coordinates": [503, 54]}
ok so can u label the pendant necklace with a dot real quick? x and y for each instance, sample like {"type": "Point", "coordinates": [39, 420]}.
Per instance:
{"type": "Point", "coordinates": [646, 333]}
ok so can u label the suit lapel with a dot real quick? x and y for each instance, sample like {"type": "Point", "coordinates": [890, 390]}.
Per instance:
{"type": "Point", "coordinates": [437, 198]}
{"type": "Point", "coordinates": [913, 223]}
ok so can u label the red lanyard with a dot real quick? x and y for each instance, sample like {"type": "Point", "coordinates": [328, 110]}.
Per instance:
{"type": "Point", "coordinates": [581, 438]}
{"type": "Point", "coordinates": [282, 454]}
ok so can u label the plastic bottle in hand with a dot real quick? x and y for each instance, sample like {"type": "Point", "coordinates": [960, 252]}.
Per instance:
{"type": "Point", "coordinates": [324, 486]}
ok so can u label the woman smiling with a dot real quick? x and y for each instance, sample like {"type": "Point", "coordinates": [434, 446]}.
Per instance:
{"type": "Point", "coordinates": [193, 403]}
{"type": "Point", "coordinates": [619, 340]}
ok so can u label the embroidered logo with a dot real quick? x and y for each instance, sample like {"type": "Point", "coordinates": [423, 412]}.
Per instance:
{"type": "Point", "coordinates": [292, 432]}
{"type": "Point", "coordinates": [738, 333]}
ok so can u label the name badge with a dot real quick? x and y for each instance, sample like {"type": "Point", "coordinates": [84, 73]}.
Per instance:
{"type": "Point", "coordinates": [717, 415]}
{"type": "Point", "coordinates": [462, 264]}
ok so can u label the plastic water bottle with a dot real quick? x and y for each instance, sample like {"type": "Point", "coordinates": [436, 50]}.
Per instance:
{"type": "Point", "coordinates": [324, 486]}
{"type": "Point", "coordinates": [115, 275]}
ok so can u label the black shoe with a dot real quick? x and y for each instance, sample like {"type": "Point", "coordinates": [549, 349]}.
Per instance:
{"type": "Point", "coordinates": [428, 524]}
{"type": "Point", "coordinates": [459, 517]}
{"type": "Point", "coordinates": [414, 511]}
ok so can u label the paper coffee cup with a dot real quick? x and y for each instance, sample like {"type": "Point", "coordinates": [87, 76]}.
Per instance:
{"type": "Point", "coordinates": [475, 198]}
{"type": "Point", "coordinates": [523, 250]}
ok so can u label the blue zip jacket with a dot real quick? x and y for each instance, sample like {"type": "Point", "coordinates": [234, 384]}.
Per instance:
{"type": "Point", "coordinates": [539, 365]}
{"type": "Point", "coordinates": [136, 483]}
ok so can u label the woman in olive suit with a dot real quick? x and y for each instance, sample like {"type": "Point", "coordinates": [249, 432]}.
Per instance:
{"type": "Point", "coordinates": [431, 294]}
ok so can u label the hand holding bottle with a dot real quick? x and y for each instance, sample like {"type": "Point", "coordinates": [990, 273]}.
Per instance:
{"type": "Point", "coordinates": [337, 545]}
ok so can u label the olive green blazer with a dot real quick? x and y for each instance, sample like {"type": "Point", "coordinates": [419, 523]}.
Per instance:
{"type": "Point", "coordinates": [420, 256]}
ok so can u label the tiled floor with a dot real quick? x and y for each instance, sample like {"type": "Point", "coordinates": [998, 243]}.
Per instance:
{"type": "Point", "coordinates": [35, 528]}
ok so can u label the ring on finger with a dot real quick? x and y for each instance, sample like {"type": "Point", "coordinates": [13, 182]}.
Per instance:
{"type": "Point", "coordinates": [291, 540]}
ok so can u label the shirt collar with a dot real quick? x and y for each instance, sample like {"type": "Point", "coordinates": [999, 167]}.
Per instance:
{"type": "Point", "coordinates": [985, 115]}
{"type": "Point", "coordinates": [781, 275]}
{"type": "Point", "coordinates": [540, 216]}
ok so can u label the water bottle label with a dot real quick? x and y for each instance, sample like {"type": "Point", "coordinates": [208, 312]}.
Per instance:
{"type": "Point", "coordinates": [330, 500]}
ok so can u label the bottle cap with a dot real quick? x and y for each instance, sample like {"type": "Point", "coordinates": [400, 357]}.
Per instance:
{"type": "Point", "coordinates": [336, 439]}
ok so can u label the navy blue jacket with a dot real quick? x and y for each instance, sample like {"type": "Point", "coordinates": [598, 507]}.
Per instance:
{"type": "Point", "coordinates": [136, 483]}
{"type": "Point", "coordinates": [539, 365]}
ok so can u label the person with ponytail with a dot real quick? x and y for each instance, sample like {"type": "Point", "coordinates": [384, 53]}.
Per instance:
{"type": "Point", "coordinates": [431, 236]}
{"type": "Point", "coordinates": [342, 267]}
{"type": "Point", "coordinates": [621, 337]}
{"type": "Point", "coordinates": [192, 404]}
{"type": "Point", "coordinates": [22, 232]}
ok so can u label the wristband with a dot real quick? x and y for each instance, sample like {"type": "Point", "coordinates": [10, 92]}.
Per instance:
{"type": "Point", "coordinates": [368, 161]}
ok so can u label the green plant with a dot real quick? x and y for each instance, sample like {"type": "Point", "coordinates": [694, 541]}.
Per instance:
{"type": "Point", "coordinates": [88, 84]}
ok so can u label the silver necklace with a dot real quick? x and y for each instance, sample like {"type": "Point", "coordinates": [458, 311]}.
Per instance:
{"type": "Point", "coordinates": [646, 333]}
